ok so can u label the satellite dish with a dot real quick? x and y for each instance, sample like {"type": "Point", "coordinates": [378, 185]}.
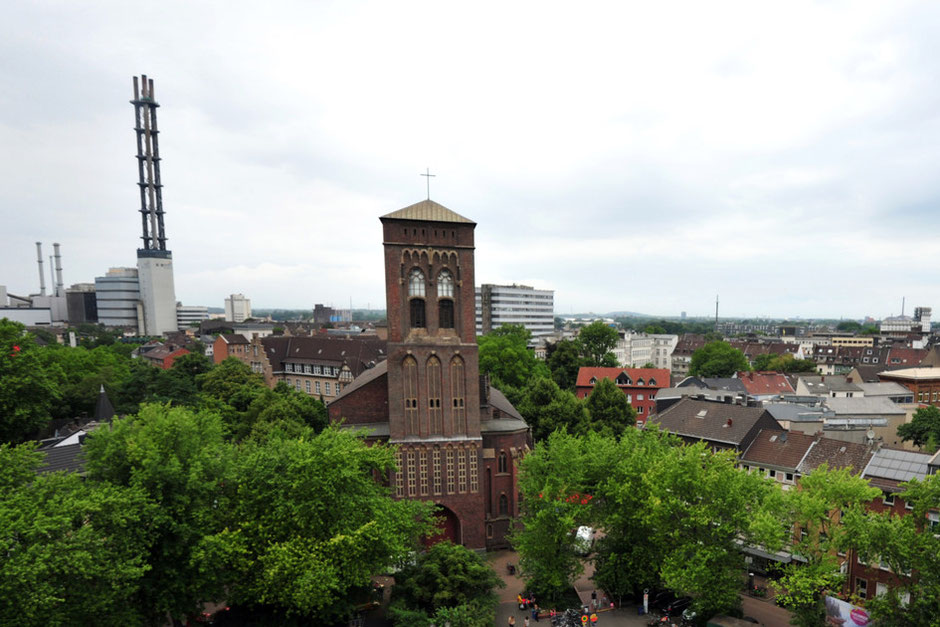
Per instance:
{"type": "Point", "coordinates": [870, 434]}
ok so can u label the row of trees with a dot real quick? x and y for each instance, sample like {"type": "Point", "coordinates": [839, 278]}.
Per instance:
{"type": "Point", "coordinates": [720, 359]}
{"type": "Point", "coordinates": [677, 515]}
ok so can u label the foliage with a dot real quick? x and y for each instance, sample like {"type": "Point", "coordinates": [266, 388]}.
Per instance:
{"type": "Point", "coordinates": [546, 408]}
{"type": "Point", "coordinates": [905, 545]}
{"type": "Point", "coordinates": [179, 459]}
{"type": "Point", "coordinates": [814, 509]}
{"type": "Point", "coordinates": [849, 325]}
{"type": "Point", "coordinates": [28, 390]}
{"type": "Point", "coordinates": [610, 411]}
{"type": "Point", "coordinates": [505, 356]}
{"type": "Point", "coordinates": [717, 359]}
{"type": "Point", "coordinates": [446, 577]}
{"type": "Point", "coordinates": [654, 329]}
{"type": "Point", "coordinates": [783, 363]}
{"type": "Point", "coordinates": [79, 374]}
{"type": "Point", "coordinates": [597, 339]}
{"type": "Point", "coordinates": [74, 552]}
{"type": "Point", "coordinates": [311, 523]}
{"type": "Point", "coordinates": [564, 362]}
{"type": "Point", "coordinates": [924, 427]}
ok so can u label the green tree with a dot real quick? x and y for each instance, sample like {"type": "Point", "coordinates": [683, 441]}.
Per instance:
{"type": "Point", "coordinates": [546, 408]}
{"type": "Point", "coordinates": [74, 552]}
{"type": "Point", "coordinates": [282, 408]}
{"type": "Point", "coordinates": [717, 359]}
{"type": "Point", "coordinates": [192, 365]}
{"type": "Point", "coordinates": [564, 363]}
{"type": "Point", "coordinates": [447, 576]}
{"type": "Point", "coordinates": [558, 480]}
{"type": "Point", "coordinates": [815, 511]}
{"type": "Point", "coordinates": [849, 325]}
{"type": "Point", "coordinates": [609, 409]}
{"type": "Point", "coordinates": [79, 374]}
{"type": "Point", "coordinates": [923, 429]}
{"type": "Point", "coordinates": [654, 329]}
{"type": "Point", "coordinates": [311, 523]}
{"type": "Point", "coordinates": [180, 460]}
{"type": "Point", "coordinates": [505, 356]}
{"type": "Point", "coordinates": [28, 391]}
{"type": "Point", "coordinates": [783, 363]}
{"type": "Point", "coordinates": [597, 340]}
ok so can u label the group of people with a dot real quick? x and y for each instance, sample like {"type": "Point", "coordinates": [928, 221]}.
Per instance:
{"type": "Point", "coordinates": [526, 604]}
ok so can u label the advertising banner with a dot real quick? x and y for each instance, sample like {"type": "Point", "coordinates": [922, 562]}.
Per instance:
{"type": "Point", "coordinates": [843, 613]}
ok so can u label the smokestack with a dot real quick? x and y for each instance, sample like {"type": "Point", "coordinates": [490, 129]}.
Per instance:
{"type": "Point", "coordinates": [59, 287]}
{"type": "Point", "coordinates": [42, 277]}
{"type": "Point", "coordinates": [51, 276]}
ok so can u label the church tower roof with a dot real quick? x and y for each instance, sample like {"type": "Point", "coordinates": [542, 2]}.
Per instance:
{"type": "Point", "coordinates": [428, 211]}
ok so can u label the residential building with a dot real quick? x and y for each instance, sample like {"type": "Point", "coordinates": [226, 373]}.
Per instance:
{"type": "Point", "coordinates": [663, 347]}
{"type": "Point", "coordinates": [237, 308]}
{"type": "Point", "coordinates": [682, 353]}
{"type": "Point", "coordinates": [497, 305]}
{"type": "Point", "coordinates": [634, 350]}
{"type": "Point", "coordinates": [229, 345]}
{"type": "Point", "coordinates": [827, 386]}
{"type": "Point", "coordinates": [639, 384]}
{"type": "Point", "coordinates": [458, 440]}
{"type": "Point", "coordinates": [163, 356]}
{"type": "Point", "coordinates": [721, 425]}
{"type": "Point", "coordinates": [777, 455]}
{"type": "Point", "coordinates": [765, 385]}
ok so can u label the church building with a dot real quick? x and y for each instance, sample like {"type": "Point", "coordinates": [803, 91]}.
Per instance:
{"type": "Point", "coordinates": [459, 439]}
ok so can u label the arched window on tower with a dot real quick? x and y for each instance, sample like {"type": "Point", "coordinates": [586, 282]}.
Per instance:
{"type": "Point", "coordinates": [445, 300]}
{"type": "Point", "coordinates": [502, 464]}
{"type": "Point", "coordinates": [435, 413]}
{"type": "Point", "coordinates": [416, 292]}
{"type": "Point", "coordinates": [410, 393]}
{"type": "Point", "coordinates": [503, 505]}
{"type": "Point", "coordinates": [457, 394]}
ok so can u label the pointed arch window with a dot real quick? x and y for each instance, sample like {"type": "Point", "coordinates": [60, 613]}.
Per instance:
{"type": "Point", "coordinates": [410, 392]}
{"type": "Point", "coordinates": [503, 505]}
{"type": "Point", "coordinates": [416, 284]}
{"type": "Point", "coordinates": [435, 413]}
{"type": "Point", "coordinates": [458, 395]}
{"type": "Point", "coordinates": [502, 462]}
{"type": "Point", "coordinates": [445, 284]}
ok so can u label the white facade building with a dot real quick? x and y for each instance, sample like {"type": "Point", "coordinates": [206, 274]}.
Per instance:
{"type": "Point", "coordinates": [237, 308]}
{"type": "Point", "coordinates": [188, 314]}
{"type": "Point", "coordinates": [117, 295]}
{"type": "Point", "coordinates": [635, 350]}
{"type": "Point", "coordinates": [663, 345]}
{"type": "Point", "coordinates": [515, 304]}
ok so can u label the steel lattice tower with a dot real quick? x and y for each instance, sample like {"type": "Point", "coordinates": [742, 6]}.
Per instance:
{"type": "Point", "coordinates": [148, 165]}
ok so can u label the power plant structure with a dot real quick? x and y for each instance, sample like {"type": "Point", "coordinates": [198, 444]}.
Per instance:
{"type": "Point", "coordinates": [144, 297]}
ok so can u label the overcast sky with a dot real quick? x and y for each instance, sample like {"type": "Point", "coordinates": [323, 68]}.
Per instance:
{"type": "Point", "coordinates": [640, 157]}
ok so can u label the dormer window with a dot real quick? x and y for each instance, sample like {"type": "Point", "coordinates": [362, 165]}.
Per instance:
{"type": "Point", "coordinates": [639, 381]}
{"type": "Point", "coordinates": [593, 380]}
{"type": "Point", "coordinates": [652, 381]}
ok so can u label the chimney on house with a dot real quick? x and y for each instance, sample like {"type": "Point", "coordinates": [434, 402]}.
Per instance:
{"type": "Point", "coordinates": [728, 424]}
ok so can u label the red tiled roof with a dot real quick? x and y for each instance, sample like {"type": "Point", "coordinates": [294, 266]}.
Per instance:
{"type": "Point", "coordinates": [659, 375]}
{"type": "Point", "coordinates": [837, 454]}
{"type": "Point", "coordinates": [762, 383]}
{"type": "Point", "coordinates": [906, 356]}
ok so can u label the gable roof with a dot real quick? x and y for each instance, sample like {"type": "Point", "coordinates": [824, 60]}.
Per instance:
{"type": "Point", "coordinates": [363, 379]}
{"type": "Point", "coordinates": [763, 383]}
{"type": "Point", "coordinates": [234, 338]}
{"type": "Point", "coordinates": [359, 353]}
{"type": "Point", "coordinates": [68, 458]}
{"type": "Point", "coordinates": [778, 448]}
{"type": "Point", "coordinates": [427, 211]}
{"type": "Point", "coordinates": [660, 375]}
{"type": "Point", "coordinates": [837, 454]}
{"type": "Point", "coordinates": [706, 420]}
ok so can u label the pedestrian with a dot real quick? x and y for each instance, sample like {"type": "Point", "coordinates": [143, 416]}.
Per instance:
{"type": "Point", "coordinates": [535, 612]}
{"type": "Point", "coordinates": [526, 623]}
{"type": "Point", "coordinates": [512, 621]}
{"type": "Point", "coordinates": [594, 599]}
{"type": "Point", "coordinates": [521, 602]}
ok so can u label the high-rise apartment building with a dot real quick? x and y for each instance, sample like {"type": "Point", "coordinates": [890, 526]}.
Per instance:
{"type": "Point", "coordinates": [237, 308]}
{"type": "Point", "coordinates": [497, 305]}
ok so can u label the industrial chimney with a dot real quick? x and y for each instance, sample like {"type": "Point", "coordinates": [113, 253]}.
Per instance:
{"type": "Point", "coordinates": [42, 277]}
{"type": "Point", "coordinates": [59, 287]}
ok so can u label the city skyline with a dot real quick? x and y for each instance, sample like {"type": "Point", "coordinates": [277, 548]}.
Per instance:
{"type": "Point", "coordinates": [623, 156]}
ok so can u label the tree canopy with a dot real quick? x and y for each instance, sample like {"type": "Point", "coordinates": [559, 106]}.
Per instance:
{"type": "Point", "coordinates": [597, 340]}
{"type": "Point", "coordinates": [506, 357]}
{"type": "Point", "coordinates": [783, 363]}
{"type": "Point", "coordinates": [28, 391]}
{"type": "Point", "coordinates": [609, 409]}
{"type": "Point", "coordinates": [717, 359]}
{"type": "Point", "coordinates": [924, 428]}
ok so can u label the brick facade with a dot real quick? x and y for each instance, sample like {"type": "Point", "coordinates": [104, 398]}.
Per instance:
{"type": "Point", "coordinates": [450, 437]}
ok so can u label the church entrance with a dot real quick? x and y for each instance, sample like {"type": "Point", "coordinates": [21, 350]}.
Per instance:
{"type": "Point", "coordinates": [448, 527]}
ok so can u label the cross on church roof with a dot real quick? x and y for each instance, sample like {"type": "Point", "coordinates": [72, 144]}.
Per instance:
{"type": "Point", "coordinates": [428, 175]}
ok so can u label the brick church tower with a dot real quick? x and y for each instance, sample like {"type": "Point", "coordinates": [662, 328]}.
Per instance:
{"type": "Point", "coordinates": [458, 439]}
{"type": "Point", "coordinates": [433, 382]}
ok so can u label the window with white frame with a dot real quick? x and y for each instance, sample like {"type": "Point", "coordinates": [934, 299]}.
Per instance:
{"type": "Point", "coordinates": [861, 588]}
{"type": "Point", "coordinates": [316, 387]}
{"type": "Point", "coordinates": [888, 499]}
{"type": "Point", "coordinates": [328, 388]}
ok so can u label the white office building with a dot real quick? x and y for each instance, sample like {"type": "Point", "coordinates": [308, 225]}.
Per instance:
{"type": "Point", "coordinates": [515, 304]}
{"type": "Point", "coordinates": [237, 308]}
{"type": "Point", "coordinates": [117, 295]}
{"type": "Point", "coordinates": [189, 314]}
